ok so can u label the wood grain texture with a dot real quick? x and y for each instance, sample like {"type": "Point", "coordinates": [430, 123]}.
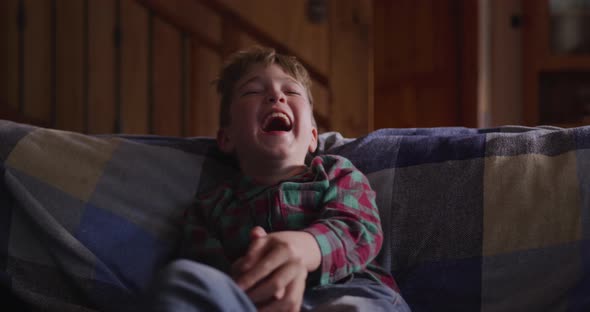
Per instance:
{"type": "Point", "coordinates": [101, 66]}
{"type": "Point", "coordinates": [190, 16]}
{"type": "Point", "coordinates": [38, 58]}
{"type": "Point", "coordinates": [321, 107]}
{"type": "Point", "coordinates": [231, 37]}
{"type": "Point", "coordinates": [469, 64]}
{"type": "Point", "coordinates": [247, 41]}
{"type": "Point", "coordinates": [166, 79]}
{"type": "Point", "coordinates": [535, 49]}
{"type": "Point", "coordinates": [204, 101]}
{"type": "Point", "coordinates": [351, 21]}
{"type": "Point", "coordinates": [9, 55]}
{"type": "Point", "coordinates": [70, 101]}
{"type": "Point", "coordinates": [417, 74]}
{"type": "Point", "coordinates": [134, 68]}
{"type": "Point", "coordinates": [294, 29]}
{"type": "Point", "coordinates": [141, 86]}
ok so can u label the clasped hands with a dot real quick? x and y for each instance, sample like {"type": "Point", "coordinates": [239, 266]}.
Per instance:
{"type": "Point", "coordinates": [274, 269]}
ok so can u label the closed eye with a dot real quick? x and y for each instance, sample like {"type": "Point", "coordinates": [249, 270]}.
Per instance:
{"type": "Point", "coordinates": [249, 92]}
{"type": "Point", "coordinates": [292, 88]}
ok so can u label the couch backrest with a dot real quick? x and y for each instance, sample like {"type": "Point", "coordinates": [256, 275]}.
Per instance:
{"type": "Point", "coordinates": [488, 219]}
{"type": "Point", "coordinates": [87, 219]}
{"type": "Point", "coordinates": [474, 219]}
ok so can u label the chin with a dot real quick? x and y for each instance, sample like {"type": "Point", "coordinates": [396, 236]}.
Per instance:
{"type": "Point", "coordinates": [276, 153]}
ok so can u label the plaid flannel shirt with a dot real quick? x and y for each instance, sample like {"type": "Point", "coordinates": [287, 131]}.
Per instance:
{"type": "Point", "coordinates": [332, 200]}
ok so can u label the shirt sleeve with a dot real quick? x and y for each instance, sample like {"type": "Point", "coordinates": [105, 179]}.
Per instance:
{"type": "Point", "coordinates": [348, 231]}
{"type": "Point", "coordinates": [200, 242]}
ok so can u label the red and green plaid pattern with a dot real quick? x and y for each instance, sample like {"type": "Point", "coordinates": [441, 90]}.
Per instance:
{"type": "Point", "coordinates": [331, 200]}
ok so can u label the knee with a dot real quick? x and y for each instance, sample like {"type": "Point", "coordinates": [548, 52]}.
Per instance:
{"type": "Point", "coordinates": [191, 286]}
{"type": "Point", "coordinates": [195, 272]}
{"type": "Point", "coordinates": [183, 266]}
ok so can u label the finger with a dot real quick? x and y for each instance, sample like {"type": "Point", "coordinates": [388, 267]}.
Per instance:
{"type": "Point", "coordinates": [235, 267]}
{"type": "Point", "coordinates": [257, 232]}
{"type": "Point", "coordinates": [264, 267]}
{"type": "Point", "coordinates": [292, 299]}
{"type": "Point", "coordinates": [252, 256]}
{"type": "Point", "coordinates": [256, 244]}
{"type": "Point", "coordinates": [261, 300]}
{"type": "Point", "coordinates": [273, 287]}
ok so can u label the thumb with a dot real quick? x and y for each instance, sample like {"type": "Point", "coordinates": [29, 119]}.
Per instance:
{"type": "Point", "coordinates": [257, 232]}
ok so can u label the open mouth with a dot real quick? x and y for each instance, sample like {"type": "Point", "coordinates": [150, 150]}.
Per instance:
{"type": "Point", "coordinates": [277, 122]}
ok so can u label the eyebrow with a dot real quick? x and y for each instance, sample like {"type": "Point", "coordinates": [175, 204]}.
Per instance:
{"type": "Point", "coordinates": [288, 78]}
{"type": "Point", "coordinates": [248, 81]}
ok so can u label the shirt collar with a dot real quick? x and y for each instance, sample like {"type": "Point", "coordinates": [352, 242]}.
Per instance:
{"type": "Point", "coordinates": [246, 187]}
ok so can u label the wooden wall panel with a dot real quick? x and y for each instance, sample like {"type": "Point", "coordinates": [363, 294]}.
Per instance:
{"type": "Point", "coordinates": [535, 52]}
{"type": "Point", "coordinates": [70, 79]}
{"type": "Point", "coordinates": [204, 101]}
{"type": "Point", "coordinates": [437, 105]}
{"type": "Point", "coordinates": [81, 73]}
{"type": "Point", "coordinates": [469, 63]}
{"type": "Point", "coordinates": [166, 79]}
{"type": "Point", "coordinates": [417, 74]}
{"type": "Point", "coordinates": [231, 37]}
{"type": "Point", "coordinates": [294, 29]}
{"type": "Point", "coordinates": [423, 53]}
{"type": "Point", "coordinates": [38, 61]}
{"type": "Point", "coordinates": [351, 22]}
{"type": "Point", "coordinates": [134, 68]}
{"type": "Point", "coordinates": [247, 41]}
{"type": "Point", "coordinates": [9, 54]}
{"type": "Point", "coordinates": [101, 66]}
{"type": "Point", "coordinates": [191, 16]}
{"type": "Point", "coordinates": [321, 106]}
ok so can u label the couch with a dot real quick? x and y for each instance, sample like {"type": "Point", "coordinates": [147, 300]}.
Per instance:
{"type": "Point", "coordinates": [494, 219]}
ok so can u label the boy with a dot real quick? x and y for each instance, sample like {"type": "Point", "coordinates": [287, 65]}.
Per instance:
{"type": "Point", "coordinates": [292, 237]}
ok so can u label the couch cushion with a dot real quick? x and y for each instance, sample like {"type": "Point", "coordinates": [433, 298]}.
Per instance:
{"type": "Point", "coordinates": [474, 219]}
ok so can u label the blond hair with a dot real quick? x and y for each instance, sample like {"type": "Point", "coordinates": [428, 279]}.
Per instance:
{"type": "Point", "coordinates": [240, 63]}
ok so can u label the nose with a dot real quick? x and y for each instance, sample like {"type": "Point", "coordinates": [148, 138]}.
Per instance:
{"type": "Point", "coordinates": [275, 96]}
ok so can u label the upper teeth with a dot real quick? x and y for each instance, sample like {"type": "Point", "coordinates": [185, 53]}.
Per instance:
{"type": "Point", "coordinates": [276, 115]}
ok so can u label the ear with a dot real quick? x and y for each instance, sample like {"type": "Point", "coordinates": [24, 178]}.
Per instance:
{"type": "Point", "coordinates": [313, 144]}
{"type": "Point", "coordinates": [224, 142]}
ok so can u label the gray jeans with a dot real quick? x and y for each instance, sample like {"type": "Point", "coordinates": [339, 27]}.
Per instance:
{"type": "Point", "coordinates": [186, 285]}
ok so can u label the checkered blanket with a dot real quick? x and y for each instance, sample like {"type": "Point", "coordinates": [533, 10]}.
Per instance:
{"type": "Point", "coordinates": [474, 219]}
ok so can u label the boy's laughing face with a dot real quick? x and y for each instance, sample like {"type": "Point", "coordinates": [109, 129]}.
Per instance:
{"type": "Point", "coordinates": [271, 118]}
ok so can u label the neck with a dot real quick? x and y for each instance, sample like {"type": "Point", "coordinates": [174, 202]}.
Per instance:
{"type": "Point", "coordinates": [269, 172]}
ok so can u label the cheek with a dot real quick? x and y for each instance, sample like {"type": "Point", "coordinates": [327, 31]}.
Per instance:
{"type": "Point", "coordinates": [303, 110]}
{"type": "Point", "coordinates": [308, 117]}
{"type": "Point", "coordinates": [244, 111]}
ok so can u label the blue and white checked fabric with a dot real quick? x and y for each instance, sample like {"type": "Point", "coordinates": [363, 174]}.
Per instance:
{"type": "Point", "coordinates": [474, 219]}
